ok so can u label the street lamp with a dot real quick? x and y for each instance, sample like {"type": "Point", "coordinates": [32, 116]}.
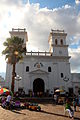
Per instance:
{"type": "Point", "coordinates": [66, 79]}
{"type": "Point", "coordinates": [18, 78]}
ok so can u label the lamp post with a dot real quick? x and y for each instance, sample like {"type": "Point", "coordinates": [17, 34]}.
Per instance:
{"type": "Point", "coordinates": [18, 78]}
{"type": "Point", "coordinates": [66, 79]}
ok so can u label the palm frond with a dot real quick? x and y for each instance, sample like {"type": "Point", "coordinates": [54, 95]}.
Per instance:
{"type": "Point", "coordinates": [14, 44]}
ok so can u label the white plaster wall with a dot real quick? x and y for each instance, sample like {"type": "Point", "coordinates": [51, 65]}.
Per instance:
{"type": "Point", "coordinates": [29, 78]}
{"type": "Point", "coordinates": [64, 68]}
{"type": "Point", "coordinates": [8, 75]}
{"type": "Point", "coordinates": [20, 71]}
{"type": "Point", "coordinates": [75, 77]}
{"type": "Point", "coordinates": [60, 51]}
{"type": "Point", "coordinates": [51, 79]}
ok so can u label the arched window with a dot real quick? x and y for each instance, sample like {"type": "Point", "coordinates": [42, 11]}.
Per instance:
{"type": "Point", "coordinates": [61, 41]}
{"type": "Point", "coordinates": [27, 68]}
{"type": "Point", "coordinates": [61, 75]}
{"type": "Point", "coordinates": [56, 41]}
{"type": "Point", "coordinates": [49, 69]}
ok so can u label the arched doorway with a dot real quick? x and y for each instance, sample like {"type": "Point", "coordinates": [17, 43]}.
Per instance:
{"type": "Point", "coordinates": [38, 87]}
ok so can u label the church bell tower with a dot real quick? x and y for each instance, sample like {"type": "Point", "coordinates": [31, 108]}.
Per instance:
{"type": "Point", "coordinates": [57, 42]}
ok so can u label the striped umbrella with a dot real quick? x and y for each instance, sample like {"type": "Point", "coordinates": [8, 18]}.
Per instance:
{"type": "Point", "coordinates": [4, 91]}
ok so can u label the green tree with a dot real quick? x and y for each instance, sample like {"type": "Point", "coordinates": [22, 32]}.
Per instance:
{"type": "Point", "coordinates": [14, 52]}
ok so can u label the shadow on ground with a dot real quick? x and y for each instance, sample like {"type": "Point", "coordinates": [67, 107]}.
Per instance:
{"type": "Point", "coordinates": [17, 111]}
{"type": "Point", "coordinates": [76, 118]}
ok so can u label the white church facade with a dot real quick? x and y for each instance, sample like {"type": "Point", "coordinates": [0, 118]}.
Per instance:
{"type": "Point", "coordinates": [43, 72]}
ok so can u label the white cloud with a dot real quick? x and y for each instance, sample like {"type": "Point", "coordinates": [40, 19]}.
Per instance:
{"type": "Point", "coordinates": [77, 1]}
{"type": "Point", "coordinates": [75, 60]}
{"type": "Point", "coordinates": [38, 23]}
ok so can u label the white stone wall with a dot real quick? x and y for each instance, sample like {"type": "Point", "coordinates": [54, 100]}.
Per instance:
{"type": "Point", "coordinates": [51, 79]}
{"type": "Point", "coordinates": [60, 51]}
{"type": "Point", "coordinates": [75, 77]}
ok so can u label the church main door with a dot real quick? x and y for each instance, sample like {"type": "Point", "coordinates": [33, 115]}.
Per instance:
{"type": "Point", "coordinates": [38, 87]}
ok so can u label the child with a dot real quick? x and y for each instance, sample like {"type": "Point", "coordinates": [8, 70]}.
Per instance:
{"type": "Point", "coordinates": [69, 109]}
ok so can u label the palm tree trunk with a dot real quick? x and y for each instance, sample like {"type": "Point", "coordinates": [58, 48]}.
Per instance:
{"type": "Point", "coordinates": [13, 77]}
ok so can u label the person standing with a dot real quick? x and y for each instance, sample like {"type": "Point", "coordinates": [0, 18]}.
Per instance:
{"type": "Point", "coordinates": [55, 98]}
{"type": "Point", "coordinates": [8, 100]}
{"type": "Point", "coordinates": [79, 102]}
{"type": "Point", "coordinates": [74, 104]}
{"type": "Point", "coordinates": [69, 109]}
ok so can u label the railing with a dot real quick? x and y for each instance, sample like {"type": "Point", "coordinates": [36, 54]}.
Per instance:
{"type": "Point", "coordinates": [57, 31]}
{"type": "Point", "coordinates": [39, 53]}
{"type": "Point", "coordinates": [19, 30]}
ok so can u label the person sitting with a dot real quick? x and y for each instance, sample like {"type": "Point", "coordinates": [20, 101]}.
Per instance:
{"type": "Point", "coordinates": [69, 109]}
{"type": "Point", "coordinates": [3, 99]}
{"type": "Point", "coordinates": [17, 104]}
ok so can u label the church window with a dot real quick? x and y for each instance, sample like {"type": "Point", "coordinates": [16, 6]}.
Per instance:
{"type": "Point", "coordinates": [27, 69]}
{"type": "Point", "coordinates": [61, 75]}
{"type": "Point", "coordinates": [49, 69]}
{"type": "Point", "coordinates": [56, 41]}
{"type": "Point", "coordinates": [61, 41]}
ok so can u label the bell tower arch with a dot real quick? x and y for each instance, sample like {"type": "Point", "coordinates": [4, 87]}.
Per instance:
{"type": "Point", "coordinates": [57, 42]}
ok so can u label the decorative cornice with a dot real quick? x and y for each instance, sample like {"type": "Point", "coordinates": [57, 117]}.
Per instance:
{"type": "Point", "coordinates": [59, 45]}
{"type": "Point", "coordinates": [47, 57]}
{"type": "Point", "coordinates": [38, 71]}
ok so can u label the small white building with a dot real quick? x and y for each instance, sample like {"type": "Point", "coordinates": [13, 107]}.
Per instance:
{"type": "Point", "coordinates": [43, 72]}
{"type": "Point", "coordinates": [76, 82]}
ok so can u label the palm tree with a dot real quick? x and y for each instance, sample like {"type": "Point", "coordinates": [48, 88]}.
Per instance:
{"type": "Point", "coordinates": [13, 52]}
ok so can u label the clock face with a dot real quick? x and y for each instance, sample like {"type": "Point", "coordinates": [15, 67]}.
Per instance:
{"type": "Point", "coordinates": [60, 52]}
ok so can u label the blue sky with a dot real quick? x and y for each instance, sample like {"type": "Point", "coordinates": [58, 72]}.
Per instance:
{"type": "Point", "coordinates": [39, 19]}
{"type": "Point", "coordinates": [53, 3]}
